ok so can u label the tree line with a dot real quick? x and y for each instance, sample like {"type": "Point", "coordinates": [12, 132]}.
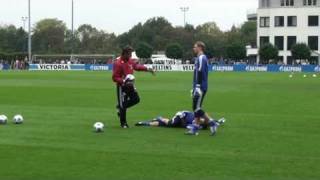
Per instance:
{"type": "Point", "coordinates": [51, 36]}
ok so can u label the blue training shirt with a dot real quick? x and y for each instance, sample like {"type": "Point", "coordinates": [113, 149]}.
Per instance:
{"type": "Point", "coordinates": [201, 72]}
{"type": "Point", "coordinates": [189, 117]}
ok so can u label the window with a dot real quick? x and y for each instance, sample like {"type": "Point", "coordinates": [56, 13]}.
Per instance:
{"type": "Point", "coordinates": [279, 21]}
{"type": "Point", "coordinates": [313, 60]}
{"type": "Point", "coordinates": [309, 2]}
{"type": "Point", "coordinates": [313, 21]}
{"type": "Point", "coordinates": [264, 22]}
{"type": "Point", "coordinates": [278, 42]}
{"type": "Point", "coordinates": [290, 60]}
{"type": "Point", "coordinates": [264, 40]}
{"type": "Point", "coordinates": [292, 40]}
{"type": "Point", "coordinates": [291, 3]}
{"type": "Point", "coordinates": [292, 21]}
{"type": "Point", "coordinates": [313, 42]}
{"type": "Point", "coordinates": [287, 2]}
{"type": "Point", "coordinates": [265, 3]}
{"type": "Point", "coordinates": [280, 59]}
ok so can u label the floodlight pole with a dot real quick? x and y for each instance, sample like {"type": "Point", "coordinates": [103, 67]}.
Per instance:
{"type": "Point", "coordinates": [24, 20]}
{"type": "Point", "coordinates": [72, 28]}
{"type": "Point", "coordinates": [184, 10]}
{"type": "Point", "coordinates": [29, 32]}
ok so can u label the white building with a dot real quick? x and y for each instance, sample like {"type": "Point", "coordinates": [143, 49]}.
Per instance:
{"type": "Point", "coordinates": [287, 22]}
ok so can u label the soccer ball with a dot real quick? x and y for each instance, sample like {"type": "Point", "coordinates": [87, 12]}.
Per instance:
{"type": "Point", "coordinates": [3, 119]}
{"type": "Point", "coordinates": [18, 119]}
{"type": "Point", "coordinates": [314, 75]}
{"type": "Point", "coordinates": [98, 127]}
{"type": "Point", "coordinates": [305, 76]}
{"type": "Point", "coordinates": [129, 77]}
{"type": "Point", "coordinates": [290, 76]}
{"type": "Point", "coordinates": [129, 80]}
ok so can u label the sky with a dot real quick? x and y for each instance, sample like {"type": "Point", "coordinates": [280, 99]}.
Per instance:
{"type": "Point", "coordinates": [119, 16]}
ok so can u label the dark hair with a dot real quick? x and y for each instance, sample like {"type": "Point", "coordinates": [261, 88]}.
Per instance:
{"type": "Point", "coordinates": [201, 44]}
{"type": "Point", "coordinates": [127, 49]}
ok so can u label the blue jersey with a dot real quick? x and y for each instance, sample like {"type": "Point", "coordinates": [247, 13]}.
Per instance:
{"type": "Point", "coordinates": [189, 117]}
{"type": "Point", "coordinates": [182, 119]}
{"type": "Point", "coordinates": [201, 72]}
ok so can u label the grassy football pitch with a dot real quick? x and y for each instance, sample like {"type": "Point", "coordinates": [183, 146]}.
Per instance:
{"type": "Point", "coordinates": [272, 130]}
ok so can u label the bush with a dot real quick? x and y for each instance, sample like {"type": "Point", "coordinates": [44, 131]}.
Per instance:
{"type": "Point", "coordinates": [144, 50]}
{"type": "Point", "coordinates": [236, 51]}
{"type": "Point", "coordinates": [174, 51]}
{"type": "Point", "coordinates": [301, 51]}
{"type": "Point", "coordinates": [268, 52]}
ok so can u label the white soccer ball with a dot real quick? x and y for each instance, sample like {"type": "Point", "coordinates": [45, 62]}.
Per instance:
{"type": "Point", "coordinates": [129, 80]}
{"type": "Point", "coordinates": [290, 76]}
{"type": "Point", "coordinates": [18, 119]}
{"type": "Point", "coordinates": [3, 119]}
{"type": "Point", "coordinates": [98, 127]}
{"type": "Point", "coordinates": [129, 77]}
{"type": "Point", "coordinates": [305, 76]}
{"type": "Point", "coordinates": [314, 75]}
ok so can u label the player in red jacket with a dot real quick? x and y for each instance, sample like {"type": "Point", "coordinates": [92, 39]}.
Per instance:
{"type": "Point", "coordinates": [123, 69]}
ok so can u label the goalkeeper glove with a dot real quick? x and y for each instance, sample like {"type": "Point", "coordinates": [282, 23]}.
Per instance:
{"type": "Point", "coordinates": [197, 91]}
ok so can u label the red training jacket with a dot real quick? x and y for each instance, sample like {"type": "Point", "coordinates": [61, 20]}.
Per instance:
{"type": "Point", "coordinates": [122, 68]}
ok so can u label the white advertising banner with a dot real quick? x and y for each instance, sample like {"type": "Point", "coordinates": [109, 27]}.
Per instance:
{"type": "Point", "coordinates": [56, 67]}
{"type": "Point", "coordinates": [162, 67]}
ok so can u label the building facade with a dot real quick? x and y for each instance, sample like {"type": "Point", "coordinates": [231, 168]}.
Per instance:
{"type": "Point", "coordinates": [284, 23]}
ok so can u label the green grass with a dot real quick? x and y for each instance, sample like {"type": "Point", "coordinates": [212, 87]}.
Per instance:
{"type": "Point", "coordinates": [272, 130]}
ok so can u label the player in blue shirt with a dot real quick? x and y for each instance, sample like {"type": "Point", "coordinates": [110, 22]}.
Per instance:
{"type": "Point", "coordinates": [200, 87]}
{"type": "Point", "coordinates": [181, 119]}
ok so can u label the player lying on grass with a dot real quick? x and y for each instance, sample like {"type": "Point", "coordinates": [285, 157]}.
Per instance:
{"type": "Point", "coordinates": [182, 119]}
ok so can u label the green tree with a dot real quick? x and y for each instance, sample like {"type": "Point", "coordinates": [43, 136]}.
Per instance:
{"type": "Point", "coordinates": [236, 51]}
{"type": "Point", "coordinates": [144, 50]}
{"type": "Point", "coordinates": [238, 37]}
{"type": "Point", "coordinates": [301, 51]}
{"type": "Point", "coordinates": [71, 43]}
{"type": "Point", "coordinates": [12, 39]}
{"type": "Point", "coordinates": [49, 36]}
{"type": "Point", "coordinates": [52, 36]}
{"type": "Point", "coordinates": [174, 51]}
{"type": "Point", "coordinates": [189, 28]}
{"type": "Point", "coordinates": [94, 41]}
{"type": "Point", "coordinates": [87, 35]}
{"type": "Point", "coordinates": [157, 32]}
{"type": "Point", "coordinates": [185, 37]}
{"type": "Point", "coordinates": [248, 32]}
{"type": "Point", "coordinates": [209, 28]}
{"type": "Point", "coordinates": [268, 52]}
{"type": "Point", "coordinates": [234, 36]}
{"type": "Point", "coordinates": [21, 40]}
